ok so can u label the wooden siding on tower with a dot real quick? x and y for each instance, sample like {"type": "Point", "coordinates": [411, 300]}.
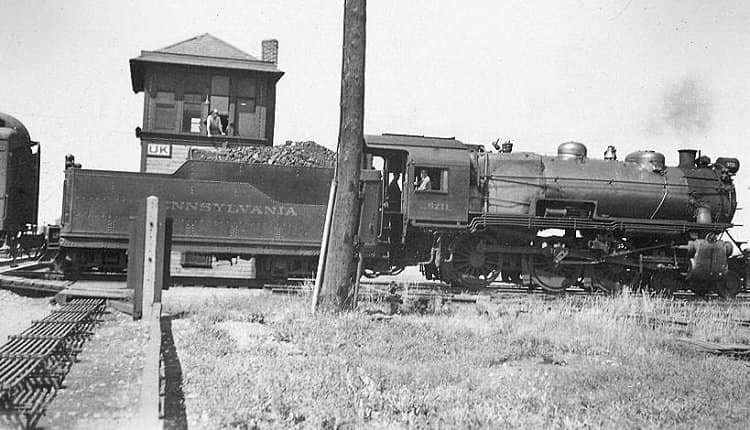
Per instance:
{"type": "Point", "coordinates": [180, 154]}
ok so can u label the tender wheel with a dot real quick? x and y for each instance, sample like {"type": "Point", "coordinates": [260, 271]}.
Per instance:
{"type": "Point", "coordinates": [68, 265]}
{"type": "Point", "coordinates": [551, 277]}
{"type": "Point", "coordinates": [474, 267]}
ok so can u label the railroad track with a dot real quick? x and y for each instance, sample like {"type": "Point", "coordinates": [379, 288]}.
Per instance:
{"type": "Point", "coordinates": [370, 288]}
{"type": "Point", "coordinates": [34, 363]}
{"type": "Point", "coordinates": [380, 288]}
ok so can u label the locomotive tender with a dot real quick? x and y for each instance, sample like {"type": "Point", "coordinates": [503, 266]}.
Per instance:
{"type": "Point", "coordinates": [552, 221]}
{"type": "Point", "coordinates": [268, 215]}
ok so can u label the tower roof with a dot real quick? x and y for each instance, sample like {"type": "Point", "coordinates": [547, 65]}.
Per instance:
{"type": "Point", "coordinates": [207, 45]}
{"type": "Point", "coordinates": [205, 50]}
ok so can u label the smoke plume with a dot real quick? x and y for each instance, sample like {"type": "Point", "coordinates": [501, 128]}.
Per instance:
{"type": "Point", "coordinates": [686, 108]}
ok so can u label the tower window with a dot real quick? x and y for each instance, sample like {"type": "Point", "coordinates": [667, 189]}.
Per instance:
{"type": "Point", "coordinates": [192, 110]}
{"type": "Point", "coordinates": [165, 111]}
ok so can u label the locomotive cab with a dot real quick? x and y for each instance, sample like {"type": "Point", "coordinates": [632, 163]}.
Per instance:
{"type": "Point", "coordinates": [437, 192]}
{"type": "Point", "coordinates": [423, 188]}
{"type": "Point", "coordinates": [434, 174]}
{"type": "Point", "coordinates": [386, 198]}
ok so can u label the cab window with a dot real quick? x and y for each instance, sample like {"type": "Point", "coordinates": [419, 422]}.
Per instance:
{"type": "Point", "coordinates": [430, 179]}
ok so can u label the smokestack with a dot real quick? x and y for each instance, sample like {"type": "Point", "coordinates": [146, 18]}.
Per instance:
{"type": "Point", "coordinates": [687, 158]}
{"type": "Point", "coordinates": [270, 48]}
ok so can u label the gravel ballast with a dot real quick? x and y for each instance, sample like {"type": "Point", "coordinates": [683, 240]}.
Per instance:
{"type": "Point", "coordinates": [18, 312]}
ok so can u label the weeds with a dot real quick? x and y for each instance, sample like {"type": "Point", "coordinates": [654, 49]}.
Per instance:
{"type": "Point", "coordinates": [587, 361]}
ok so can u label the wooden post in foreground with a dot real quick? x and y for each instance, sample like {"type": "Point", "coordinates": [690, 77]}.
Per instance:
{"type": "Point", "coordinates": [340, 262]}
{"type": "Point", "coordinates": [357, 278]}
{"type": "Point", "coordinates": [324, 244]}
{"type": "Point", "coordinates": [146, 259]}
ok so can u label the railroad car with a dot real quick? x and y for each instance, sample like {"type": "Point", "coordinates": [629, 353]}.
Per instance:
{"type": "Point", "coordinates": [19, 182]}
{"type": "Point", "coordinates": [266, 219]}
{"type": "Point", "coordinates": [551, 221]}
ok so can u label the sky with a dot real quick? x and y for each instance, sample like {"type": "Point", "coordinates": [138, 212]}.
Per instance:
{"type": "Point", "coordinates": [635, 74]}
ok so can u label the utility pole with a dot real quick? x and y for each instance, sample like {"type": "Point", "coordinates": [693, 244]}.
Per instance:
{"type": "Point", "coordinates": [340, 264]}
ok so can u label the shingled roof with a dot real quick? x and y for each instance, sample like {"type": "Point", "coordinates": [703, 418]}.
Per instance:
{"type": "Point", "coordinates": [205, 50]}
{"type": "Point", "coordinates": [206, 45]}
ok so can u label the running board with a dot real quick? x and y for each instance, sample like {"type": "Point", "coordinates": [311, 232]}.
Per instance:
{"type": "Point", "coordinates": [624, 225]}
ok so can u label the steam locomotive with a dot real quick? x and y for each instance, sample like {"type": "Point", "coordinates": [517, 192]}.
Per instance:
{"type": "Point", "coordinates": [530, 219]}
{"type": "Point", "coordinates": [550, 221]}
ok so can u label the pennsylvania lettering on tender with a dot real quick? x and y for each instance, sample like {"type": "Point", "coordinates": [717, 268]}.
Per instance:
{"type": "Point", "coordinates": [250, 209]}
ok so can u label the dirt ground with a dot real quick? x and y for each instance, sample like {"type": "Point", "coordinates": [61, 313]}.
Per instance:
{"type": "Point", "coordinates": [103, 388]}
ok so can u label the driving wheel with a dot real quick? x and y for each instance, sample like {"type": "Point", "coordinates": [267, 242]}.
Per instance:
{"type": "Point", "coordinates": [473, 265]}
{"type": "Point", "coordinates": [553, 277]}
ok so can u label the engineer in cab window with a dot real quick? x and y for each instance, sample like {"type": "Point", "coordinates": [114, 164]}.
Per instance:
{"type": "Point", "coordinates": [425, 183]}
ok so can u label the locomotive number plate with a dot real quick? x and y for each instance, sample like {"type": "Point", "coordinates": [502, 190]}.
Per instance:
{"type": "Point", "coordinates": [438, 206]}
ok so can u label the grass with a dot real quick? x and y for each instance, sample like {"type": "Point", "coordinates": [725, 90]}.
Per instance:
{"type": "Point", "coordinates": [262, 361]}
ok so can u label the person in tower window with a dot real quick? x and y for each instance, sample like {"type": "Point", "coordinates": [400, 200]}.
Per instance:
{"type": "Point", "coordinates": [213, 124]}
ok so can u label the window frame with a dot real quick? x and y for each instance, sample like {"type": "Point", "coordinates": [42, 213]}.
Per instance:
{"type": "Point", "coordinates": [442, 173]}
{"type": "Point", "coordinates": [193, 90]}
{"type": "Point", "coordinates": [187, 86]}
{"type": "Point", "coordinates": [164, 104]}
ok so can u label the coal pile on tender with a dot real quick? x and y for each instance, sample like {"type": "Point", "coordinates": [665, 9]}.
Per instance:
{"type": "Point", "coordinates": [304, 154]}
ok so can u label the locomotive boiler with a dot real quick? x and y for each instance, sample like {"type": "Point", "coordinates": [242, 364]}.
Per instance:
{"type": "Point", "coordinates": [641, 187]}
{"type": "Point", "coordinates": [552, 221]}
